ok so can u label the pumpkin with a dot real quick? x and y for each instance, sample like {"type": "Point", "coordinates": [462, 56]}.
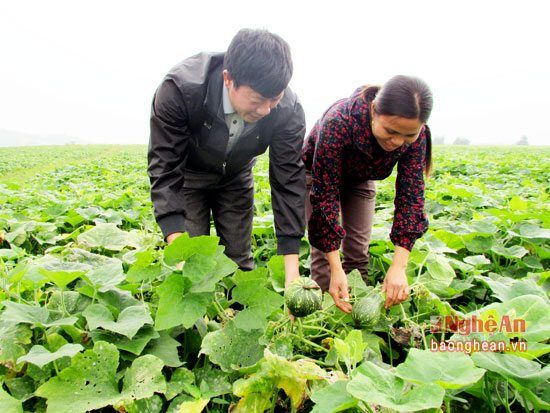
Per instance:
{"type": "Point", "coordinates": [366, 312]}
{"type": "Point", "coordinates": [303, 296]}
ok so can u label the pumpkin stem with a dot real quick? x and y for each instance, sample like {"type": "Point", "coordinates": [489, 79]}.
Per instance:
{"type": "Point", "coordinates": [311, 287]}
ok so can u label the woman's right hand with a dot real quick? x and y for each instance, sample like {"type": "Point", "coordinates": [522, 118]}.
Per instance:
{"type": "Point", "coordinates": [339, 290]}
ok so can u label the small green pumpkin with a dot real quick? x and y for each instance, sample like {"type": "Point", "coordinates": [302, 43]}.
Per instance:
{"type": "Point", "coordinates": [366, 312]}
{"type": "Point", "coordinates": [303, 297]}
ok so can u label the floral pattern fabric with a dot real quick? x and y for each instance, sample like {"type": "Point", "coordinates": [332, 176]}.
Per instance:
{"type": "Point", "coordinates": [341, 150]}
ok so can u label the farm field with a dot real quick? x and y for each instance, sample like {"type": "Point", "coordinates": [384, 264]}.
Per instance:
{"type": "Point", "coordinates": [94, 315]}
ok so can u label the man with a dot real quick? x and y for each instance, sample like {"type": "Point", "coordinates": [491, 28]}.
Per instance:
{"type": "Point", "coordinates": [211, 116]}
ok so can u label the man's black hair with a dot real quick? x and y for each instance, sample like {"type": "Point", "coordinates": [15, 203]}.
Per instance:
{"type": "Point", "coordinates": [261, 60]}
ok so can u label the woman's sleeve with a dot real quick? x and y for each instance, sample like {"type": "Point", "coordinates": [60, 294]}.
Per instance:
{"type": "Point", "coordinates": [410, 222]}
{"type": "Point", "coordinates": [324, 230]}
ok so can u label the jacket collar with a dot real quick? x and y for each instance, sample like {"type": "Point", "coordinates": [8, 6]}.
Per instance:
{"type": "Point", "coordinates": [228, 108]}
{"type": "Point", "coordinates": [213, 101]}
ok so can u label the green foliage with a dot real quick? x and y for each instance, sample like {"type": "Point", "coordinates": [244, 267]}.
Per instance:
{"type": "Point", "coordinates": [91, 381]}
{"type": "Point", "coordinates": [85, 278]}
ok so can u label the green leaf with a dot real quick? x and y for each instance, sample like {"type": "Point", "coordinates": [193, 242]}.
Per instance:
{"type": "Point", "coordinates": [9, 404]}
{"type": "Point", "coordinates": [144, 269]}
{"type": "Point", "coordinates": [533, 231]}
{"type": "Point", "coordinates": [193, 307]}
{"type": "Point", "coordinates": [41, 356]}
{"type": "Point", "coordinates": [151, 404]}
{"type": "Point", "coordinates": [7, 254]}
{"type": "Point", "coordinates": [480, 245]}
{"type": "Point", "coordinates": [170, 309]}
{"type": "Point", "coordinates": [517, 204]}
{"type": "Point", "coordinates": [261, 303]}
{"type": "Point", "coordinates": [197, 266]}
{"type": "Point", "coordinates": [232, 348]}
{"type": "Point", "coordinates": [477, 260]}
{"type": "Point", "coordinates": [23, 313]}
{"type": "Point", "coordinates": [184, 247]}
{"type": "Point", "coordinates": [75, 302]}
{"type": "Point", "coordinates": [12, 338]}
{"type": "Point", "coordinates": [516, 251]}
{"type": "Point", "coordinates": [357, 284]}
{"type": "Point", "coordinates": [62, 273]}
{"type": "Point", "coordinates": [275, 373]}
{"type": "Point", "coordinates": [91, 381]}
{"type": "Point", "coordinates": [259, 274]}
{"type": "Point", "coordinates": [531, 309]}
{"type": "Point", "coordinates": [276, 265]}
{"type": "Point", "coordinates": [333, 398]}
{"type": "Point", "coordinates": [106, 236]}
{"type": "Point", "coordinates": [78, 255]}
{"type": "Point", "coordinates": [518, 371]}
{"type": "Point", "coordinates": [448, 370]}
{"type": "Point", "coordinates": [212, 381]}
{"type": "Point", "coordinates": [351, 349]}
{"type": "Point", "coordinates": [130, 320]}
{"type": "Point", "coordinates": [452, 240]}
{"type": "Point", "coordinates": [224, 267]}
{"type": "Point", "coordinates": [143, 378]}
{"type": "Point", "coordinates": [181, 380]}
{"type": "Point", "coordinates": [117, 298]}
{"type": "Point", "coordinates": [196, 406]}
{"type": "Point", "coordinates": [483, 228]}
{"type": "Point", "coordinates": [505, 289]}
{"type": "Point", "coordinates": [17, 273]}
{"type": "Point", "coordinates": [534, 351]}
{"type": "Point", "coordinates": [178, 401]}
{"type": "Point", "coordinates": [373, 384]}
{"type": "Point", "coordinates": [136, 345]}
{"type": "Point", "coordinates": [439, 269]}
{"type": "Point", "coordinates": [166, 349]}
{"type": "Point", "coordinates": [106, 276]}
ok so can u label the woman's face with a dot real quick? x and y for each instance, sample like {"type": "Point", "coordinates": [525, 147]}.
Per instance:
{"type": "Point", "coordinates": [391, 132]}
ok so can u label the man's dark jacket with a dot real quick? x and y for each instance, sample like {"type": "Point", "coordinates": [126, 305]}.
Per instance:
{"type": "Point", "coordinates": [188, 130]}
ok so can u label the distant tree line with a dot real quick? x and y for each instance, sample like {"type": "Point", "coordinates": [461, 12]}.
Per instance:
{"type": "Point", "coordinates": [440, 140]}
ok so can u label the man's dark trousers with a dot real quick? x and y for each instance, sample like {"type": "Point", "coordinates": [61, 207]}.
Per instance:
{"type": "Point", "coordinates": [231, 201]}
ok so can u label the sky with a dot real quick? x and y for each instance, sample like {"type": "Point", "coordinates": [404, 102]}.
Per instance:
{"type": "Point", "coordinates": [89, 69]}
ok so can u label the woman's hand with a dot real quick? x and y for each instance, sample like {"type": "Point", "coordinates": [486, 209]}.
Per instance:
{"type": "Point", "coordinates": [339, 290]}
{"type": "Point", "coordinates": [396, 286]}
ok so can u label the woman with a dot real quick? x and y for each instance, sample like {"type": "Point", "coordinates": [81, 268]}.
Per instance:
{"type": "Point", "coordinates": [358, 140]}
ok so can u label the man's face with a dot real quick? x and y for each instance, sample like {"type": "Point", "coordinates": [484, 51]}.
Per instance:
{"type": "Point", "coordinates": [247, 102]}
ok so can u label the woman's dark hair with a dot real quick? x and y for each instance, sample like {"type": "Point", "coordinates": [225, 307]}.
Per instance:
{"type": "Point", "coordinates": [261, 60]}
{"type": "Point", "coordinates": [406, 97]}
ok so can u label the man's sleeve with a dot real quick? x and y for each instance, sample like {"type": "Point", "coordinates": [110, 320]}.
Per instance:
{"type": "Point", "coordinates": [287, 179]}
{"type": "Point", "coordinates": [167, 155]}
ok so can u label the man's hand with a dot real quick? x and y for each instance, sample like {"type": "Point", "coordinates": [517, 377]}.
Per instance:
{"type": "Point", "coordinates": [171, 238]}
{"type": "Point", "coordinates": [292, 272]}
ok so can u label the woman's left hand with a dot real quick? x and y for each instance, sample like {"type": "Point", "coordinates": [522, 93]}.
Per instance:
{"type": "Point", "coordinates": [396, 286]}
